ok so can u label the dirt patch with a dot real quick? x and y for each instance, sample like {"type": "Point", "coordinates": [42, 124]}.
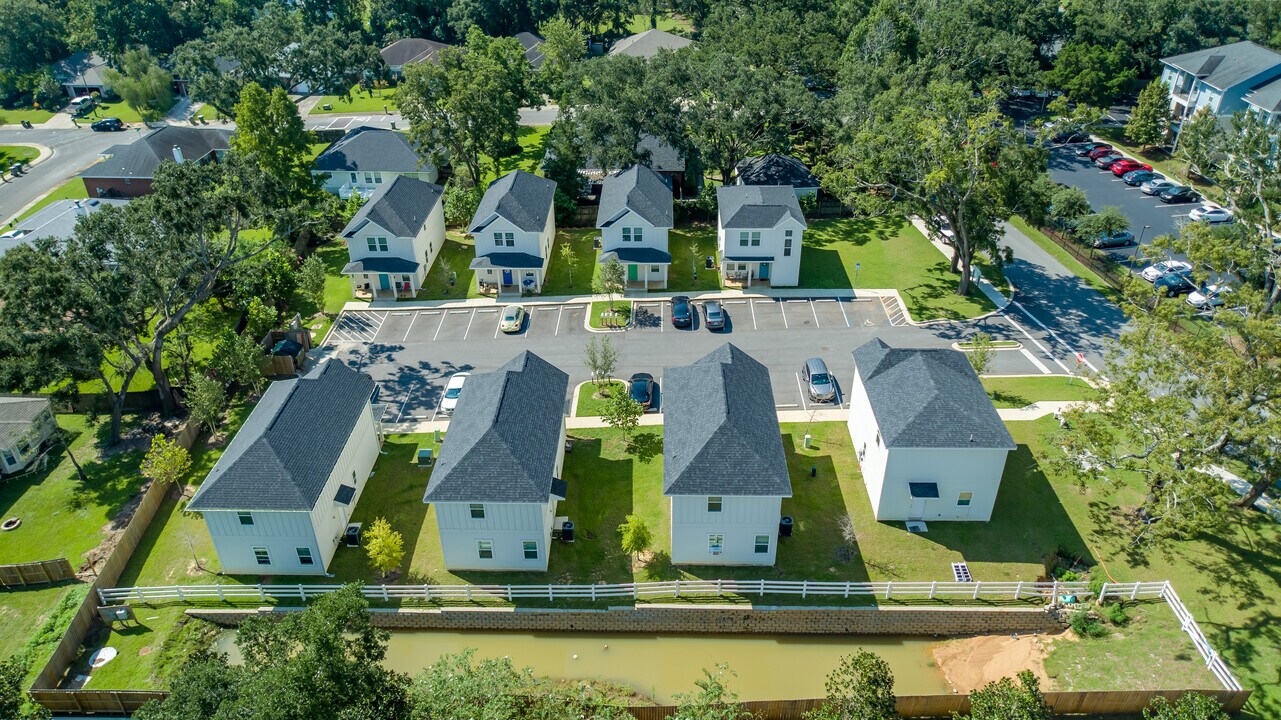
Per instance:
{"type": "Point", "coordinates": [111, 533]}
{"type": "Point", "coordinates": [970, 663]}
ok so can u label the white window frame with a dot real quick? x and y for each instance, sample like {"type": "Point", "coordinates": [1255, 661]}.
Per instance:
{"type": "Point", "coordinates": [261, 554]}
{"type": "Point", "coordinates": [716, 544]}
{"type": "Point", "coordinates": [715, 500]}
{"type": "Point", "coordinates": [304, 556]}
{"type": "Point", "coordinates": [965, 499]}
{"type": "Point", "coordinates": [756, 544]}
{"type": "Point", "coordinates": [474, 508]}
{"type": "Point", "coordinates": [627, 234]}
{"type": "Point", "coordinates": [485, 546]}
{"type": "Point", "coordinates": [638, 234]}
{"type": "Point", "coordinates": [246, 516]}
{"type": "Point", "coordinates": [742, 238]}
{"type": "Point", "coordinates": [525, 548]}
{"type": "Point", "coordinates": [756, 238]}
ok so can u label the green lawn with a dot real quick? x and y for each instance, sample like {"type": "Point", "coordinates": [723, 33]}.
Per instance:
{"type": "Point", "coordinates": [361, 102]}
{"type": "Point", "coordinates": [148, 653]}
{"type": "Point", "coordinates": [31, 115]}
{"type": "Point", "coordinates": [558, 278]}
{"type": "Point", "coordinates": [453, 262]}
{"type": "Point", "coordinates": [314, 149]}
{"type": "Point", "coordinates": [126, 113]}
{"type": "Point", "coordinates": [1017, 392]}
{"type": "Point", "coordinates": [689, 247]}
{"type": "Point", "coordinates": [73, 189]}
{"type": "Point", "coordinates": [529, 158]}
{"type": "Point", "coordinates": [62, 516]}
{"type": "Point", "coordinates": [10, 154]}
{"type": "Point", "coordinates": [23, 611]}
{"type": "Point", "coordinates": [890, 253]}
{"type": "Point", "coordinates": [337, 289]}
{"type": "Point", "coordinates": [606, 314]}
{"type": "Point", "coordinates": [1091, 278]}
{"type": "Point", "coordinates": [641, 22]}
{"type": "Point", "coordinates": [592, 398]}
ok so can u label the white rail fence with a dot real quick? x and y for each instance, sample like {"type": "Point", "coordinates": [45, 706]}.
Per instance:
{"type": "Point", "coordinates": [1052, 592]}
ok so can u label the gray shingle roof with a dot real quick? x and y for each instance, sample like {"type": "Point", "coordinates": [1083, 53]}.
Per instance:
{"type": "Point", "coordinates": [82, 68]}
{"type": "Point", "coordinates": [507, 260]}
{"type": "Point", "coordinates": [410, 50]}
{"type": "Point", "coordinates": [400, 207]}
{"type": "Point", "coordinates": [16, 415]}
{"type": "Point", "coordinates": [757, 206]}
{"type": "Point", "coordinates": [662, 157]}
{"type": "Point", "coordinates": [370, 148]}
{"type": "Point", "coordinates": [521, 198]}
{"type": "Point", "coordinates": [139, 160]}
{"type": "Point", "coordinates": [639, 190]}
{"type": "Point", "coordinates": [1266, 96]}
{"type": "Point", "coordinates": [720, 434]}
{"type": "Point", "coordinates": [56, 220]}
{"type": "Point", "coordinates": [1227, 65]}
{"type": "Point", "coordinates": [288, 447]}
{"type": "Point", "coordinates": [504, 436]}
{"type": "Point", "coordinates": [533, 48]}
{"type": "Point", "coordinates": [649, 43]}
{"type": "Point", "coordinates": [928, 398]}
{"type": "Point", "coordinates": [642, 255]}
{"type": "Point", "coordinates": [380, 265]}
{"type": "Point", "coordinates": [775, 169]}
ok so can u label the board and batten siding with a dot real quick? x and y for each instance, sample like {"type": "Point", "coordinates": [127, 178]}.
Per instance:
{"type": "Point", "coordinates": [783, 270]}
{"type": "Point", "coordinates": [887, 471]}
{"type": "Point", "coordinates": [740, 520]}
{"type": "Point", "coordinates": [367, 182]}
{"type": "Point", "coordinates": [282, 533]}
{"type": "Point", "coordinates": [506, 525]}
{"type": "Point", "coordinates": [422, 248]}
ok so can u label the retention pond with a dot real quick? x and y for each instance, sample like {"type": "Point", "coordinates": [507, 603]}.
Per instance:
{"type": "Point", "coordinates": [768, 667]}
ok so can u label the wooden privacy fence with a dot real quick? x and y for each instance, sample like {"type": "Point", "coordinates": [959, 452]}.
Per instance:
{"type": "Point", "coordinates": [36, 573]}
{"type": "Point", "coordinates": [94, 701]}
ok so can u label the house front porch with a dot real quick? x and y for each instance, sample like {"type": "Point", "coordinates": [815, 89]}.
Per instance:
{"type": "Point", "coordinates": [373, 278]}
{"type": "Point", "coordinates": [645, 268]}
{"type": "Point", "coordinates": [742, 273]}
{"type": "Point", "coordinates": [499, 274]}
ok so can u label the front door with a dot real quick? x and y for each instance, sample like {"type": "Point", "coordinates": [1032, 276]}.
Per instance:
{"type": "Point", "coordinates": [507, 277]}
{"type": "Point", "coordinates": [764, 274]}
{"type": "Point", "coordinates": [384, 281]}
{"type": "Point", "coordinates": [918, 509]}
{"type": "Point", "coordinates": [633, 272]}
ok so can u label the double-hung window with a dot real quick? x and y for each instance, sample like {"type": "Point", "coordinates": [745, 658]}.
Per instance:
{"type": "Point", "coordinates": [714, 504]}
{"type": "Point", "coordinates": [787, 243]}
{"type": "Point", "coordinates": [627, 234]}
{"type": "Point", "coordinates": [498, 239]}
{"type": "Point", "coordinates": [485, 549]}
{"type": "Point", "coordinates": [377, 244]}
{"type": "Point", "coordinates": [756, 239]}
{"type": "Point", "coordinates": [762, 544]}
{"type": "Point", "coordinates": [304, 556]}
{"type": "Point", "coordinates": [743, 238]}
{"type": "Point", "coordinates": [715, 544]}
{"type": "Point", "coordinates": [262, 556]}
{"type": "Point", "coordinates": [636, 234]}
{"type": "Point", "coordinates": [530, 548]}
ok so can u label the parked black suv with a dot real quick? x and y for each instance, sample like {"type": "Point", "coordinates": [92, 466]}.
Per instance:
{"type": "Point", "coordinates": [1179, 194]}
{"type": "Point", "coordinates": [682, 313]}
{"type": "Point", "coordinates": [107, 125]}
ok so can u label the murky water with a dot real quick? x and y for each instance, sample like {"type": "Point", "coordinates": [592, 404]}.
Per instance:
{"type": "Point", "coordinates": [769, 667]}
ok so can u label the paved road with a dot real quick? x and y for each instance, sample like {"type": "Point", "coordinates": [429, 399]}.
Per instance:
{"type": "Point", "coordinates": [411, 353]}
{"type": "Point", "coordinates": [528, 116]}
{"type": "Point", "coordinates": [73, 150]}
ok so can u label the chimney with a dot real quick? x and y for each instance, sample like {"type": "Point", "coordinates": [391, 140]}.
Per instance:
{"type": "Point", "coordinates": [177, 154]}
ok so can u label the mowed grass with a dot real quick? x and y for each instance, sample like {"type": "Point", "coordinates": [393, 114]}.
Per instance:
{"type": "Point", "coordinates": [528, 156]}
{"type": "Point", "coordinates": [1017, 392]}
{"type": "Point", "coordinates": [360, 102]}
{"type": "Point", "coordinates": [607, 314]}
{"type": "Point", "coordinates": [126, 113]}
{"type": "Point", "coordinates": [10, 154]}
{"type": "Point", "coordinates": [61, 515]}
{"type": "Point", "coordinates": [73, 189]}
{"type": "Point", "coordinates": [690, 247]}
{"type": "Point", "coordinates": [890, 254]}
{"type": "Point", "coordinates": [23, 610]}
{"type": "Point", "coordinates": [15, 116]}
{"type": "Point", "coordinates": [453, 262]}
{"type": "Point", "coordinates": [593, 398]}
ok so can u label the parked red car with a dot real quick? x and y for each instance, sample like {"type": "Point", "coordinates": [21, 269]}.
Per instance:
{"type": "Point", "coordinates": [1121, 167]}
{"type": "Point", "coordinates": [1097, 153]}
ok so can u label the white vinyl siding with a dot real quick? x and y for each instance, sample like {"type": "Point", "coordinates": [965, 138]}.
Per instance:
{"type": "Point", "coordinates": [764, 243]}
{"type": "Point", "coordinates": [739, 522]}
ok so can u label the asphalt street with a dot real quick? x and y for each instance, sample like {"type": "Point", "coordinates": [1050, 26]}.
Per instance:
{"type": "Point", "coordinates": [412, 353]}
{"type": "Point", "coordinates": [545, 115]}
{"type": "Point", "coordinates": [73, 151]}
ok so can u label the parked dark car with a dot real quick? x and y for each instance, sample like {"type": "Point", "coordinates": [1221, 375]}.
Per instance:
{"type": "Point", "coordinates": [1076, 136]}
{"type": "Point", "coordinates": [1088, 148]}
{"type": "Point", "coordinates": [1099, 152]}
{"type": "Point", "coordinates": [1105, 162]}
{"type": "Point", "coordinates": [1179, 194]}
{"type": "Point", "coordinates": [1138, 177]}
{"type": "Point", "coordinates": [1120, 239]}
{"type": "Point", "coordinates": [1175, 283]}
{"type": "Point", "coordinates": [682, 315]}
{"type": "Point", "coordinates": [107, 125]}
{"type": "Point", "coordinates": [713, 315]}
{"type": "Point", "coordinates": [641, 389]}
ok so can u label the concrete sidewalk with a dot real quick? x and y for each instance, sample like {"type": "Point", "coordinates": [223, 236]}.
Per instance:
{"type": "Point", "coordinates": [775, 293]}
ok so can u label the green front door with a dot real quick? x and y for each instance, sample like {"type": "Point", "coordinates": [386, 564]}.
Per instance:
{"type": "Point", "coordinates": [633, 272]}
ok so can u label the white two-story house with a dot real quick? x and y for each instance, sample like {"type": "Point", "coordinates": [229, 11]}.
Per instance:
{"type": "Point", "coordinates": [1219, 78]}
{"type": "Point", "coordinates": [759, 232]}
{"type": "Point", "coordinates": [368, 157]}
{"type": "Point", "coordinates": [278, 500]}
{"type": "Point", "coordinates": [497, 481]}
{"type": "Point", "coordinates": [25, 423]}
{"type": "Point", "coordinates": [723, 462]}
{"type": "Point", "coordinates": [514, 228]}
{"type": "Point", "coordinates": [394, 238]}
{"type": "Point", "coordinates": [929, 442]}
{"type": "Point", "coordinates": [634, 217]}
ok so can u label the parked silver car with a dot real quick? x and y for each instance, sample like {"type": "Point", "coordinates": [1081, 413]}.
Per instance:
{"type": "Point", "coordinates": [818, 381]}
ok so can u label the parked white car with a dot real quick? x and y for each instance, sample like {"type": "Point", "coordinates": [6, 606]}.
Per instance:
{"type": "Point", "coordinates": [1153, 187]}
{"type": "Point", "coordinates": [1212, 214]}
{"type": "Point", "coordinates": [452, 391]}
{"type": "Point", "coordinates": [1209, 297]}
{"type": "Point", "coordinates": [1153, 272]}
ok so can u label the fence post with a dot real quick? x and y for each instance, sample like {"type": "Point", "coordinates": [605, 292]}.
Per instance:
{"type": "Point", "coordinates": [221, 597]}
{"type": "Point", "coordinates": [178, 589]}
{"type": "Point", "coordinates": [302, 593]}
{"type": "Point", "coordinates": [1054, 594]}
{"type": "Point", "coordinates": [978, 587]}
{"type": "Point", "coordinates": [805, 587]}
{"type": "Point", "coordinates": [762, 582]}
{"type": "Point", "coordinates": [635, 592]}
{"type": "Point", "coordinates": [551, 592]}
{"type": "Point", "coordinates": [385, 597]}
{"type": "Point", "coordinates": [678, 588]}
{"type": "Point", "coordinates": [1103, 592]}
{"type": "Point", "coordinates": [138, 591]}
{"type": "Point", "coordinates": [593, 587]}
{"type": "Point", "coordinates": [469, 593]}
{"type": "Point", "coordinates": [1135, 592]}
{"type": "Point", "coordinates": [933, 583]}
{"type": "Point", "coordinates": [889, 588]}
{"type": "Point", "coordinates": [426, 592]}
{"type": "Point", "coordinates": [847, 589]}
{"type": "Point", "coordinates": [1018, 590]}
{"type": "Point", "coordinates": [718, 587]}
{"type": "Point", "coordinates": [261, 595]}
{"type": "Point", "coordinates": [102, 599]}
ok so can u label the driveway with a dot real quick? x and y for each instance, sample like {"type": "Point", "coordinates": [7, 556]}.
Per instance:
{"type": "Point", "coordinates": [412, 353]}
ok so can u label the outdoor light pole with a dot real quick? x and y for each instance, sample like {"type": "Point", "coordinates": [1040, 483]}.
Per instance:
{"type": "Point", "coordinates": [1139, 246]}
{"type": "Point", "coordinates": [856, 267]}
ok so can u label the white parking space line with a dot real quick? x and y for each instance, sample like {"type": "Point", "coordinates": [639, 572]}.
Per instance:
{"type": "Point", "coordinates": [1039, 365]}
{"type": "Point", "coordinates": [1055, 335]}
{"type": "Point", "coordinates": [815, 312]}
{"type": "Point", "coordinates": [1041, 347]}
{"type": "Point", "coordinates": [801, 389]}
{"type": "Point", "coordinates": [411, 327]}
{"type": "Point", "coordinates": [469, 319]}
{"type": "Point", "coordinates": [782, 309]}
{"type": "Point", "coordinates": [560, 313]}
{"type": "Point", "coordinates": [752, 305]}
{"type": "Point", "coordinates": [841, 305]}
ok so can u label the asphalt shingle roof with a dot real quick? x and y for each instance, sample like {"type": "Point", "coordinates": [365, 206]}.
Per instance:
{"type": "Point", "coordinates": [410, 50]}
{"type": "Point", "coordinates": [639, 190]}
{"type": "Point", "coordinates": [641, 255]}
{"type": "Point", "coordinates": [1266, 96]}
{"type": "Point", "coordinates": [721, 434]}
{"type": "Point", "coordinates": [533, 48]}
{"type": "Point", "coordinates": [400, 207]}
{"type": "Point", "coordinates": [928, 398]}
{"type": "Point", "coordinates": [661, 157]}
{"type": "Point", "coordinates": [380, 265]}
{"type": "Point", "coordinates": [1227, 65]}
{"type": "Point", "coordinates": [504, 436]}
{"type": "Point", "coordinates": [757, 206]}
{"type": "Point", "coordinates": [775, 169]}
{"type": "Point", "coordinates": [16, 415]}
{"type": "Point", "coordinates": [288, 447]}
{"type": "Point", "coordinates": [140, 159]}
{"type": "Point", "coordinates": [521, 198]}
{"type": "Point", "coordinates": [649, 43]}
{"type": "Point", "coordinates": [56, 220]}
{"type": "Point", "coordinates": [82, 68]}
{"type": "Point", "coordinates": [370, 148]}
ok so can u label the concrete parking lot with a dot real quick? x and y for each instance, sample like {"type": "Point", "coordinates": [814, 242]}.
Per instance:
{"type": "Point", "coordinates": [412, 353]}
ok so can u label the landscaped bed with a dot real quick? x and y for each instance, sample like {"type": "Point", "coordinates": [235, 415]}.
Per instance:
{"type": "Point", "coordinates": [593, 398]}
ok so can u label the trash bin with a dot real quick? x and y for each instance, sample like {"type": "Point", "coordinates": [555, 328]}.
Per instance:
{"type": "Point", "coordinates": [785, 526]}
{"type": "Point", "coordinates": [26, 124]}
{"type": "Point", "coordinates": [711, 262]}
{"type": "Point", "coordinates": [567, 531]}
